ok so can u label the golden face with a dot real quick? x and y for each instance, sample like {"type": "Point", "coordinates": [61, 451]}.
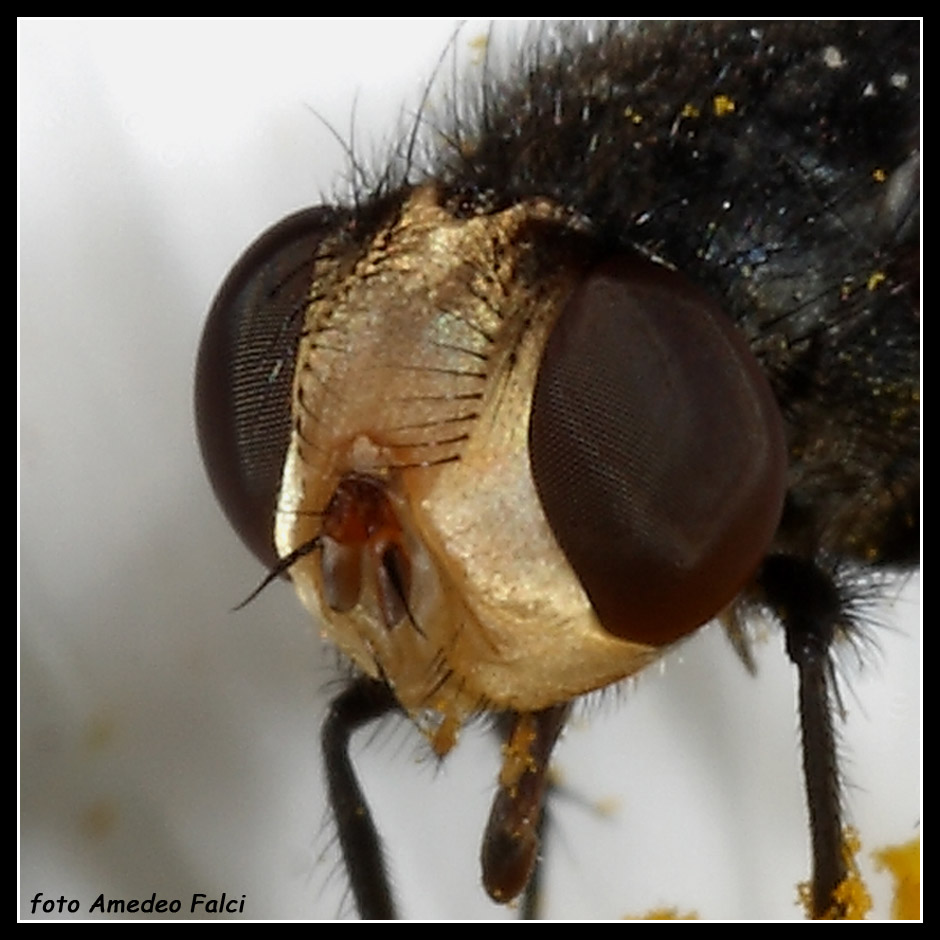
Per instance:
{"type": "Point", "coordinates": [404, 378]}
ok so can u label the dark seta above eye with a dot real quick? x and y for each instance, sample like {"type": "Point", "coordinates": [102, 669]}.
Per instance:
{"type": "Point", "coordinates": [622, 342]}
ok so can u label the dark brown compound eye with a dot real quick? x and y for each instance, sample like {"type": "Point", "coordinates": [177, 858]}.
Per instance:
{"type": "Point", "coordinates": [657, 450]}
{"type": "Point", "coordinates": [245, 371]}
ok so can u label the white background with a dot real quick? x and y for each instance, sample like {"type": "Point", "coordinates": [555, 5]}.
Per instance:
{"type": "Point", "coordinates": [170, 746]}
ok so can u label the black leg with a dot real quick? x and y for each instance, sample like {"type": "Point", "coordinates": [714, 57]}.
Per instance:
{"type": "Point", "coordinates": [808, 603]}
{"type": "Point", "coordinates": [530, 906]}
{"type": "Point", "coordinates": [362, 702]}
{"type": "Point", "coordinates": [511, 841]}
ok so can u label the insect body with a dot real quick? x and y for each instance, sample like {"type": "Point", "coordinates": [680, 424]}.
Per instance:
{"type": "Point", "coordinates": [637, 348]}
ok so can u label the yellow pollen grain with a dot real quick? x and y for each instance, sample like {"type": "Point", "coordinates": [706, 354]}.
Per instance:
{"type": "Point", "coordinates": [723, 105]}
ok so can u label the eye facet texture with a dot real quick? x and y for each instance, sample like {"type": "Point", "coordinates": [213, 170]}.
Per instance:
{"type": "Point", "coordinates": [657, 450]}
{"type": "Point", "coordinates": [245, 372]}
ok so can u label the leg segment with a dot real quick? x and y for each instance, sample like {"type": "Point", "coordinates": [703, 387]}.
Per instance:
{"type": "Point", "coordinates": [808, 603]}
{"type": "Point", "coordinates": [361, 703]}
{"type": "Point", "coordinates": [511, 840]}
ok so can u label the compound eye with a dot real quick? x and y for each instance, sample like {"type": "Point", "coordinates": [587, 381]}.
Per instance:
{"type": "Point", "coordinates": [245, 372]}
{"type": "Point", "coordinates": [657, 450]}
